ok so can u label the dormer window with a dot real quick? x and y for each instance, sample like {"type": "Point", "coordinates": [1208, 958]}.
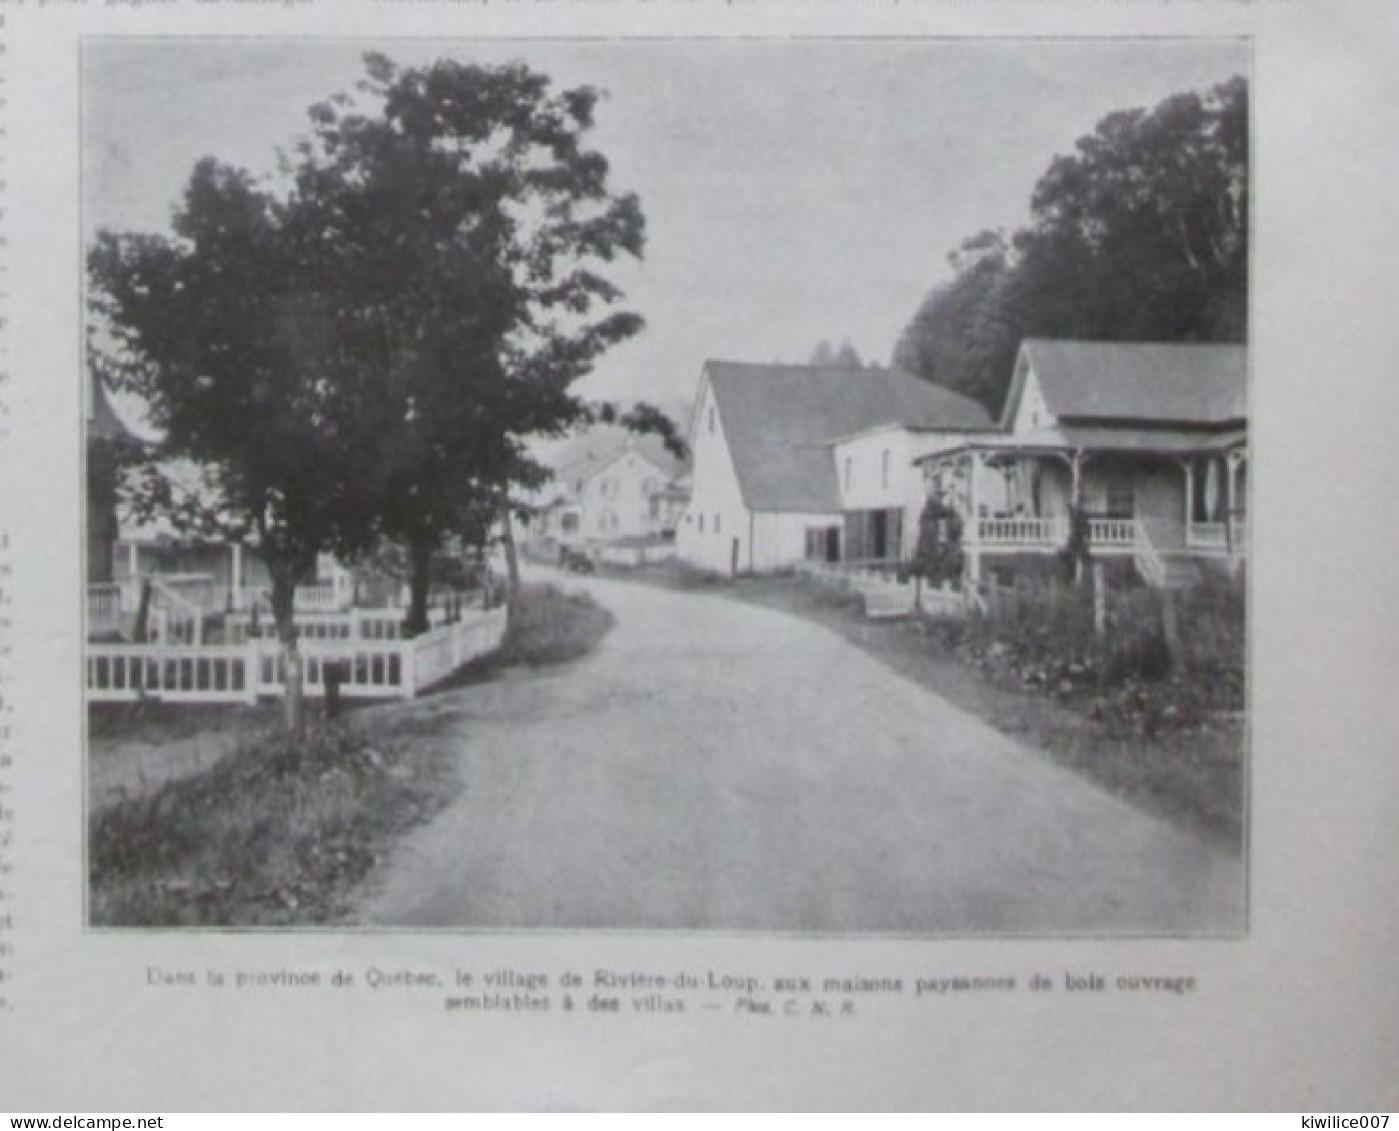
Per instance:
{"type": "Point", "coordinates": [847, 472]}
{"type": "Point", "coordinates": [884, 469]}
{"type": "Point", "coordinates": [711, 418]}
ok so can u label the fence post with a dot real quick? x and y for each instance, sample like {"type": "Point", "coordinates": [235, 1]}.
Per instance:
{"type": "Point", "coordinates": [252, 670]}
{"type": "Point", "coordinates": [407, 665]}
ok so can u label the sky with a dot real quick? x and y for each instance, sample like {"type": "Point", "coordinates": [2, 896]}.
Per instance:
{"type": "Point", "coordinates": [794, 191]}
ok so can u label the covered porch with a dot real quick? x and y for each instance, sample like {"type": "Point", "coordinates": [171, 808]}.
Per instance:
{"type": "Point", "coordinates": [1151, 495]}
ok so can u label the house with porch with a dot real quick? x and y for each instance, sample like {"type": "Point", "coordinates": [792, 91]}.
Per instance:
{"type": "Point", "coordinates": [1148, 442]}
{"type": "Point", "coordinates": [809, 463]}
{"type": "Point", "coordinates": [183, 619]}
{"type": "Point", "coordinates": [191, 579]}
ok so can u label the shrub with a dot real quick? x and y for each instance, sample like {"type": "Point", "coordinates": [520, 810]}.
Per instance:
{"type": "Point", "coordinates": [1040, 635]}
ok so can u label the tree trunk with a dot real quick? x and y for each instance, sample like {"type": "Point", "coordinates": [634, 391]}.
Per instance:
{"type": "Point", "coordinates": [141, 631]}
{"type": "Point", "coordinates": [419, 586]}
{"type": "Point", "coordinates": [284, 613]}
{"type": "Point", "coordinates": [512, 576]}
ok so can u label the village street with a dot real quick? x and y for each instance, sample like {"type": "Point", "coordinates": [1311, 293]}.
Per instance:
{"type": "Point", "coordinates": [713, 765]}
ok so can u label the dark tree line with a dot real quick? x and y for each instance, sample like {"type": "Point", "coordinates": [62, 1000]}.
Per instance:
{"type": "Point", "coordinates": [1140, 234]}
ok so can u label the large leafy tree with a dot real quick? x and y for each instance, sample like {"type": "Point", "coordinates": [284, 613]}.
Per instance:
{"type": "Point", "coordinates": [222, 331]}
{"type": "Point", "coordinates": [464, 229]}
{"type": "Point", "coordinates": [1141, 233]}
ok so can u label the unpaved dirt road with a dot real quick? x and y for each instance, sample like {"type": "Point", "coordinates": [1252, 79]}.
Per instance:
{"type": "Point", "coordinates": [719, 766]}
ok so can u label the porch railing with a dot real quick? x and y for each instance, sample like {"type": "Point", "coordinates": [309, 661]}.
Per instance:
{"type": "Point", "coordinates": [1117, 533]}
{"type": "Point", "coordinates": [1218, 537]}
{"type": "Point", "coordinates": [1021, 531]}
{"type": "Point", "coordinates": [321, 597]}
{"type": "Point", "coordinates": [1052, 533]}
{"type": "Point", "coordinates": [1207, 536]}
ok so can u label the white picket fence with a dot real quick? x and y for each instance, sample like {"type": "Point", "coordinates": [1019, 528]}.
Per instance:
{"type": "Point", "coordinates": [884, 594]}
{"type": "Point", "coordinates": [246, 672]}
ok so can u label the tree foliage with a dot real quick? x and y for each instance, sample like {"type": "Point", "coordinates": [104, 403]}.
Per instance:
{"type": "Point", "coordinates": [467, 228]}
{"type": "Point", "coordinates": [844, 356]}
{"type": "Point", "coordinates": [223, 334]}
{"type": "Point", "coordinates": [356, 351]}
{"type": "Point", "coordinates": [1140, 234]}
{"type": "Point", "coordinates": [937, 555]}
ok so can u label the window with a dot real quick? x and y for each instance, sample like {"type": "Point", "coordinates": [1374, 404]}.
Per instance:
{"type": "Point", "coordinates": [847, 473]}
{"type": "Point", "coordinates": [716, 522]}
{"type": "Point", "coordinates": [711, 418]}
{"type": "Point", "coordinates": [701, 524]}
{"type": "Point", "coordinates": [884, 469]}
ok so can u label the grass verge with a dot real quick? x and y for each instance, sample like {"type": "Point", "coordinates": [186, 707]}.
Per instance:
{"type": "Point", "coordinates": [277, 833]}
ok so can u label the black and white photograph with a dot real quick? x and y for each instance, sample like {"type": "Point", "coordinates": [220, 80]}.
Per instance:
{"type": "Point", "coordinates": [792, 487]}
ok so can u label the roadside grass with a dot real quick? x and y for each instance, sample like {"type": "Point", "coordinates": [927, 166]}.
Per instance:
{"type": "Point", "coordinates": [277, 833]}
{"type": "Point", "coordinates": [156, 722]}
{"type": "Point", "coordinates": [1138, 738]}
{"type": "Point", "coordinates": [274, 834]}
{"type": "Point", "coordinates": [556, 627]}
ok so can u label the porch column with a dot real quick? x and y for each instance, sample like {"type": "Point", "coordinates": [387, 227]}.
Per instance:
{"type": "Point", "coordinates": [1188, 466]}
{"type": "Point", "coordinates": [1076, 474]}
{"type": "Point", "coordinates": [1233, 460]}
{"type": "Point", "coordinates": [133, 560]}
{"type": "Point", "coordinates": [236, 581]}
{"type": "Point", "coordinates": [973, 543]}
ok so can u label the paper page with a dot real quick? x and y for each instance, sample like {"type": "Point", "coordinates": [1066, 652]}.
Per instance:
{"type": "Point", "coordinates": [735, 845]}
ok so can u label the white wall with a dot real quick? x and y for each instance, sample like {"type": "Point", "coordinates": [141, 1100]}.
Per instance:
{"type": "Point", "coordinates": [874, 469]}
{"type": "Point", "coordinates": [616, 499]}
{"type": "Point", "coordinates": [779, 540]}
{"type": "Point", "coordinates": [715, 493]}
{"type": "Point", "coordinates": [904, 488]}
{"type": "Point", "coordinates": [1033, 410]}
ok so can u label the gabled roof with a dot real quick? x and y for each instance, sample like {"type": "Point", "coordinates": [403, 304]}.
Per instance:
{"type": "Point", "coordinates": [780, 419]}
{"type": "Point", "coordinates": [593, 449]}
{"type": "Point", "coordinates": [1135, 382]}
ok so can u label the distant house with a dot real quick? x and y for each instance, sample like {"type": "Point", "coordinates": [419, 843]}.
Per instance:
{"type": "Point", "coordinates": [613, 489]}
{"type": "Point", "coordinates": [802, 462]}
{"type": "Point", "coordinates": [126, 552]}
{"type": "Point", "coordinates": [1148, 441]}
